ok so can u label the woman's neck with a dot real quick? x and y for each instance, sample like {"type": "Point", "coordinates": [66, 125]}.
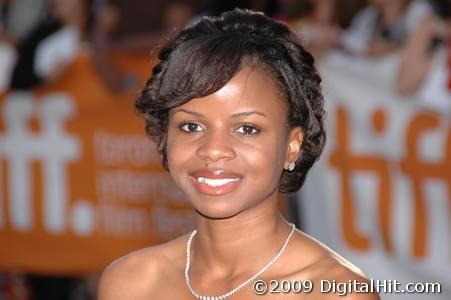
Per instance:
{"type": "Point", "coordinates": [239, 245]}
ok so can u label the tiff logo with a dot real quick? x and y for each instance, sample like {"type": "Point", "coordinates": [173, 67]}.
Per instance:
{"type": "Point", "coordinates": [52, 147]}
{"type": "Point", "coordinates": [412, 166]}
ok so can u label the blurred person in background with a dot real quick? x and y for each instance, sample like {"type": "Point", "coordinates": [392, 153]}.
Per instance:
{"type": "Point", "coordinates": [384, 26]}
{"type": "Point", "coordinates": [318, 28]}
{"type": "Point", "coordinates": [132, 25]}
{"type": "Point", "coordinates": [7, 54]}
{"type": "Point", "coordinates": [17, 19]}
{"type": "Point", "coordinates": [322, 22]}
{"type": "Point", "coordinates": [136, 25]}
{"type": "Point", "coordinates": [426, 60]}
{"type": "Point", "coordinates": [52, 45]}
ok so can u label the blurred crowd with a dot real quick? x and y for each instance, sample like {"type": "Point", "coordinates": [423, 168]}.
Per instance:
{"type": "Point", "coordinates": [39, 39]}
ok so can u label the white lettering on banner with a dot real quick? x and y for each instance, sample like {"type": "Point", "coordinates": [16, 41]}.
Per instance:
{"type": "Point", "coordinates": [16, 146]}
{"type": "Point", "coordinates": [136, 187]}
{"type": "Point", "coordinates": [52, 147]}
{"type": "Point", "coordinates": [169, 223]}
{"type": "Point", "coordinates": [116, 220]}
{"type": "Point", "coordinates": [118, 189]}
{"type": "Point", "coordinates": [60, 150]}
{"type": "Point", "coordinates": [83, 218]}
{"type": "Point", "coordinates": [134, 201]}
{"type": "Point", "coordinates": [112, 149]}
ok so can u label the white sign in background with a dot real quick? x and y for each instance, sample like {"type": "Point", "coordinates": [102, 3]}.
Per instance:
{"type": "Point", "coordinates": [19, 148]}
{"type": "Point", "coordinates": [398, 184]}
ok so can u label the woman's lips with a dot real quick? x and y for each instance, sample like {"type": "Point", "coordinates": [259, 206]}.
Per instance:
{"type": "Point", "coordinates": [215, 183]}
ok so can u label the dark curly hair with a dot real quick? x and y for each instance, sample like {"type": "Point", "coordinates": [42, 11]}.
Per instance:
{"type": "Point", "coordinates": [204, 56]}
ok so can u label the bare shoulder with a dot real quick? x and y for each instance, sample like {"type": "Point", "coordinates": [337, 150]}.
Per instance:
{"type": "Point", "coordinates": [333, 276]}
{"type": "Point", "coordinates": [320, 256]}
{"type": "Point", "coordinates": [136, 275]}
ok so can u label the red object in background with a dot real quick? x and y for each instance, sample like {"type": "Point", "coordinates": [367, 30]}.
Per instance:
{"type": "Point", "coordinates": [13, 287]}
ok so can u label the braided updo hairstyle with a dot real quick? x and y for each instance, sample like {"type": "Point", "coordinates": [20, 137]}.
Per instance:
{"type": "Point", "coordinates": [204, 56]}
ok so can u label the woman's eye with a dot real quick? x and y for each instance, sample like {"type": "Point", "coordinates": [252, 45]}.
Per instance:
{"type": "Point", "coordinates": [190, 127]}
{"type": "Point", "coordinates": [247, 130]}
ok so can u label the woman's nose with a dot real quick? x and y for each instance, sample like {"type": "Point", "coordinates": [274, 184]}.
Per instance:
{"type": "Point", "coordinates": [216, 146]}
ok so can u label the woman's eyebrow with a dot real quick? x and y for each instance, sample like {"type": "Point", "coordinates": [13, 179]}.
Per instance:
{"type": "Point", "coordinates": [248, 113]}
{"type": "Point", "coordinates": [187, 112]}
{"type": "Point", "coordinates": [236, 115]}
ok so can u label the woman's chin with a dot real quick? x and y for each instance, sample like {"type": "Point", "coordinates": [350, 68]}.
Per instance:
{"type": "Point", "coordinates": [217, 213]}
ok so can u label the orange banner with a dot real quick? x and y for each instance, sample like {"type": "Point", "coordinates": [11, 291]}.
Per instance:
{"type": "Point", "coordinates": [79, 183]}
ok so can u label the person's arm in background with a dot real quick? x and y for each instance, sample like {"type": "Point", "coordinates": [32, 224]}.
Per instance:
{"type": "Point", "coordinates": [106, 19]}
{"type": "Point", "coordinates": [417, 55]}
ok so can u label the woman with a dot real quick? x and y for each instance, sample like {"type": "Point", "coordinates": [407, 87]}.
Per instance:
{"type": "Point", "coordinates": [236, 110]}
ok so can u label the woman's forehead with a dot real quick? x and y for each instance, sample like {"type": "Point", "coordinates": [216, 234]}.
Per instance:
{"type": "Point", "coordinates": [250, 88]}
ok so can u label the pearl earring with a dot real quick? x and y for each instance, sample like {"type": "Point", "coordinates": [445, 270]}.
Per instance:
{"type": "Point", "coordinates": [291, 166]}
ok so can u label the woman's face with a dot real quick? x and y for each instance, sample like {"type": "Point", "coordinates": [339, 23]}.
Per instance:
{"type": "Point", "coordinates": [226, 151]}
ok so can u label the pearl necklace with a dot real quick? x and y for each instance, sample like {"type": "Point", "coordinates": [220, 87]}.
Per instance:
{"type": "Point", "coordinates": [239, 287]}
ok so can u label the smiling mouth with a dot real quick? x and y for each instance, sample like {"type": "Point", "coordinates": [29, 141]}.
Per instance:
{"type": "Point", "coordinates": [216, 182]}
{"type": "Point", "coordinates": [215, 186]}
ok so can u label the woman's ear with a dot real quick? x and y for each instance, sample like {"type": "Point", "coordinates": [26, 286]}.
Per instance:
{"type": "Point", "coordinates": [295, 138]}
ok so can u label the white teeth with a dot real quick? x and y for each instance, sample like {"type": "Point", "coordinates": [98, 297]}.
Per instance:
{"type": "Point", "coordinates": [216, 182]}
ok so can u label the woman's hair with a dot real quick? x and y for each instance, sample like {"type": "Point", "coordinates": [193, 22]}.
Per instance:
{"type": "Point", "coordinates": [204, 56]}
